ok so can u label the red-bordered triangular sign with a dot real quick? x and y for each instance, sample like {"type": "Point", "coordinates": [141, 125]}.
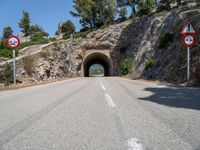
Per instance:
{"type": "Point", "coordinates": [188, 28]}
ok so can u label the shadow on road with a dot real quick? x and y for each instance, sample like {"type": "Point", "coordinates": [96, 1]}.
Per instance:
{"type": "Point", "coordinates": [175, 97]}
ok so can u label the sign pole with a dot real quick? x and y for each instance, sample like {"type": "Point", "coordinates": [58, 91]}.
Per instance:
{"type": "Point", "coordinates": [14, 67]}
{"type": "Point", "coordinates": [188, 65]}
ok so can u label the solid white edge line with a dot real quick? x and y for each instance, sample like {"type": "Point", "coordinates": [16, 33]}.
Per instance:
{"type": "Point", "coordinates": [133, 144]}
{"type": "Point", "coordinates": [109, 101]}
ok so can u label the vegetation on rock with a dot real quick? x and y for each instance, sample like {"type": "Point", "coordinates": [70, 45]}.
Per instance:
{"type": "Point", "coordinates": [168, 37]}
{"type": "Point", "coordinates": [149, 64]}
{"type": "Point", "coordinates": [126, 66]}
{"type": "Point", "coordinates": [29, 63]}
{"type": "Point", "coordinates": [6, 75]}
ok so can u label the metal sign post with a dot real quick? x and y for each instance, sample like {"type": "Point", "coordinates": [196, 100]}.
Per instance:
{"type": "Point", "coordinates": [13, 42]}
{"type": "Point", "coordinates": [188, 66]}
{"type": "Point", "coordinates": [14, 67]}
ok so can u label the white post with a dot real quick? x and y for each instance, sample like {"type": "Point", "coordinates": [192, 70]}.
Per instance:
{"type": "Point", "coordinates": [14, 67]}
{"type": "Point", "coordinates": [188, 65]}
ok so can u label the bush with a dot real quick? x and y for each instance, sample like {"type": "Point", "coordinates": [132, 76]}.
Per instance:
{"type": "Point", "coordinates": [29, 64]}
{"type": "Point", "coordinates": [126, 66]}
{"type": "Point", "coordinates": [162, 7]}
{"type": "Point", "coordinates": [38, 38]}
{"type": "Point", "coordinates": [149, 64]}
{"type": "Point", "coordinates": [52, 39]}
{"type": "Point", "coordinates": [145, 7]}
{"type": "Point", "coordinates": [168, 37]}
{"type": "Point", "coordinates": [6, 75]}
{"type": "Point", "coordinates": [82, 34]}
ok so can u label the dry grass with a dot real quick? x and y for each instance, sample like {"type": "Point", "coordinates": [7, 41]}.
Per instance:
{"type": "Point", "coordinates": [29, 64]}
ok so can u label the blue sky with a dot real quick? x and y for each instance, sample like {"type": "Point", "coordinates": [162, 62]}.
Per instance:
{"type": "Point", "coordinates": [46, 13]}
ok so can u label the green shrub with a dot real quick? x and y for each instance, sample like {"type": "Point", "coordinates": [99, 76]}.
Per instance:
{"type": "Point", "coordinates": [6, 53]}
{"type": "Point", "coordinates": [160, 14]}
{"type": "Point", "coordinates": [82, 34]}
{"type": "Point", "coordinates": [6, 75]}
{"type": "Point", "coordinates": [162, 7]}
{"type": "Point", "coordinates": [52, 39]}
{"type": "Point", "coordinates": [29, 64]}
{"type": "Point", "coordinates": [149, 64]}
{"type": "Point", "coordinates": [38, 38]}
{"type": "Point", "coordinates": [145, 7]}
{"type": "Point", "coordinates": [168, 37]}
{"type": "Point", "coordinates": [126, 66]}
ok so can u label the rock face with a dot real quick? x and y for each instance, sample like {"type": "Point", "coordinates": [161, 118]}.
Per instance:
{"type": "Point", "coordinates": [138, 40]}
{"type": "Point", "coordinates": [169, 61]}
{"type": "Point", "coordinates": [46, 62]}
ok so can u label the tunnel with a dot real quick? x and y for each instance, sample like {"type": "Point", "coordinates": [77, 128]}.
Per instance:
{"type": "Point", "coordinates": [97, 58]}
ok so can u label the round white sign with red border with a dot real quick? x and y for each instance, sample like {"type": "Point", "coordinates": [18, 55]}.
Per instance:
{"type": "Point", "coordinates": [13, 42]}
{"type": "Point", "coordinates": [189, 40]}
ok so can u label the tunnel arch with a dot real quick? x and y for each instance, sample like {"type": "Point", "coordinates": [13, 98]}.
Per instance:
{"type": "Point", "coordinates": [97, 58]}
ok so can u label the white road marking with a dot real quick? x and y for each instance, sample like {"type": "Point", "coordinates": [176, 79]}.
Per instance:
{"type": "Point", "coordinates": [133, 144]}
{"type": "Point", "coordinates": [102, 86]}
{"type": "Point", "coordinates": [109, 101]}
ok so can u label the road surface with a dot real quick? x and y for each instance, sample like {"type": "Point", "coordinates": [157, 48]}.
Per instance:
{"type": "Point", "coordinates": [100, 114]}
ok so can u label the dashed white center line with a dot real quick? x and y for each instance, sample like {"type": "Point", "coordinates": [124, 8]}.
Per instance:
{"type": "Point", "coordinates": [133, 144]}
{"type": "Point", "coordinates": [102, 86]}
{"type": "Point", "coordinates": [109, 101]}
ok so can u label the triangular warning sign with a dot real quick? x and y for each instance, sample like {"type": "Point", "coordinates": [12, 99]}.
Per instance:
{"type": "Point", "coordinates": [188, 28]}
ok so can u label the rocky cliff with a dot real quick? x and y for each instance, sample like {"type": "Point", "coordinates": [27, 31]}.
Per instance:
{"type": "Point", "coordinates": [141, 41]}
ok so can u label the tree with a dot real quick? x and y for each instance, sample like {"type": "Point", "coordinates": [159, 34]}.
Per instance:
{"type": "Point", "coordinates": [122, 13]}
{"type": "Point", "coordinates": [7, 31]}
{"type": "Point", "coordinates": [145, 7]}
{"type": "Point", "coordinates": [85, 10]}
{"type": "Point", "coordinates": [67, 28]}
{"type": "Point", "coordinates": [130, 3]}
{"type": "Point", "coordinates": [25, 23]}
{"type": "Point", "coordinates": [37, 29]}
{"type": "Point", "coordinates": [94, 13]}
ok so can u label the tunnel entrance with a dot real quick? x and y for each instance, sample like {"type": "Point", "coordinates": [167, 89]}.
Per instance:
{"type": "Point", "coordinates": [97, 58]}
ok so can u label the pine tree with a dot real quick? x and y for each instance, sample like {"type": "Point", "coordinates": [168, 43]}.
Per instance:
{"type": "Point", "coordinates": [7, 31]}
{"type": "Point", "coordinates": [130, 3]}
{"type": "Point", "coordinates": [122, 13]}
{"type": "Point", "coordinates": [94, 13]}
{"type": "Point", "coordinates": [67, 28]}
{"type": "Point", "coordinates": [25, 23]}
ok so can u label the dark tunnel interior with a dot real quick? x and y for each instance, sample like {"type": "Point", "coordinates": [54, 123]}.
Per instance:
{"type": "Point", "coordinates": [97, 58]}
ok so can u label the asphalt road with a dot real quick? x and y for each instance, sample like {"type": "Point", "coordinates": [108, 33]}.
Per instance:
{"type": "Point", "coordinates": [100, 114]}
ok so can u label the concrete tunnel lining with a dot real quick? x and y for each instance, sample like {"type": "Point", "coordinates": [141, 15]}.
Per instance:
{"type": "Point", "coordinates": [97, 58]}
